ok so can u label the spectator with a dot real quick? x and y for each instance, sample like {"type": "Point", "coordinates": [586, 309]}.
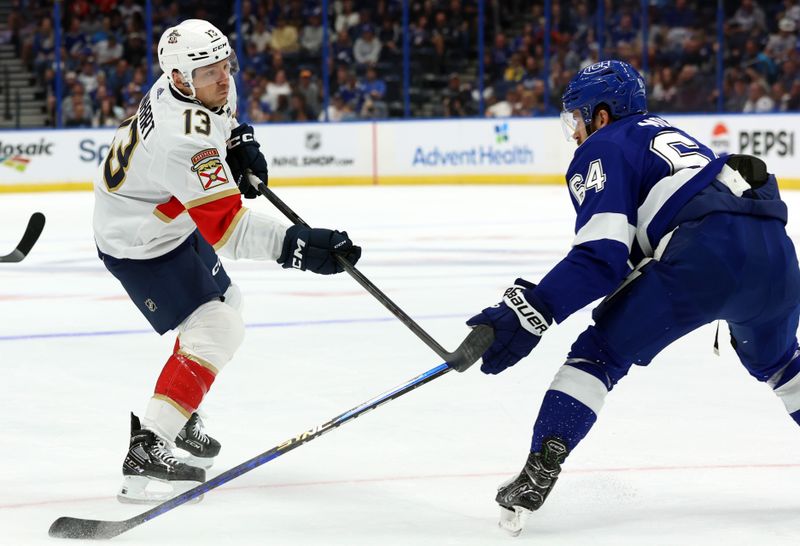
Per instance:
{"type": "Point", "coordinates": [624, 31]}
{"type": "Point", "coordinates": [347, 19]}
{"type": "Point", "coordinates": [500, 52]}
{"type": "Point", "coordinates": [307, 87]}
{"type": "Point", "coordinates": [498, 108]}
{"type": "Point", "coordinates": [260, 37]}
{"type": "Point", "coordinates": [750, 17]}
{"type": "Point", "coordinates": [758, 100]}
{"type": "Point", "coordinates": [76, 108]}
{"type": "Point", "coordinates": [457, 98]}
{"type": "Point", "coordinates": [281, 114]}
{"type": "Point", "coordinates": [253, 59]}
{"type": "Point", "coordinates": [780, 96]}
{"type": "Point", "coordinates": [793, 103]}
{"type": "Point", "coordinates": [693, 90]}
{"type": "Point", "coordinates": [784, 42]}
{"type": "Point", "coordinates": [351, 92]}
{"type": "Point", "coordinates": [373, 109]}
{"type": "Point", "coordinates": [108, 115]}
{"type": "Point", "coordinates": [419, 35]}
{"type": "Point", "coordinates": [108, 51]}
{"type": "Point", "coordinates": [284, 37]}
{"type": "Point", "coordinates": [664, 90]}
{"type": "Point", "coordinates": [128, 8]}
{"type": "Point", "coordinates": [74, 39]}
{"type": "Point", "coordinates": [120, 77]}
{"type": "Point", "coordinates": [389, 36]}
{"type": "Point", "coordinates": [43, 46]}
{"type": "Point", "coordinates": [275, 89]}
{"type": "Point", "coordinates": [88, 77]}
{"type": "Point", "coordinates": [256, 113]}
{"type": "Point", "coordinates": [737, 96]}
{"type": "Point", "coordinates": [373, 90]}
{"type": "Point", "coordinates": [312, 33]}
{"type": "Point", "coordinates": [756, 63]}
{"type": "Point", "coordinates": [298, 109]}
{"type": "Point", "coordinates": [367, 48]}
{"type": "Point", "coordinates": [336, 109]}
{"type": "Point", "coordinates": [343, 49]}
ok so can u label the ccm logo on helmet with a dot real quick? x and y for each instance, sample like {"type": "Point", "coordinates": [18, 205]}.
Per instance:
{"type": "Point", "coordinates": [529, 317]}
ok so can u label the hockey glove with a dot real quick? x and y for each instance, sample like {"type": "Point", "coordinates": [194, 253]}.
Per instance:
{"type": "Point", "coordinates": [315, 250]}
{"type": "Point", "coordinates": [518, 321]}
{"type": "Point", "coordinates": [244, 156]}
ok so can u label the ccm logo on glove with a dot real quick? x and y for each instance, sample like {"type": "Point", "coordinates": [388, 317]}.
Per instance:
{"type": "Point", "coordinates": [529, 317]}
{"type": "Point", "coordinates": [297, 262]}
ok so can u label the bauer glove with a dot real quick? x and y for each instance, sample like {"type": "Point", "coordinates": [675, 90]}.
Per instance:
{"type": "Point", "coordinates": [518, 322]}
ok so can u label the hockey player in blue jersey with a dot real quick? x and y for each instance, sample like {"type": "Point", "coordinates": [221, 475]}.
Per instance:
{"type": "Point", "coordinates": [672, 238]}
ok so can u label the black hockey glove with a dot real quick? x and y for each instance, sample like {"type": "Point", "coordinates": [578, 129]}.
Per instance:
{"type": "Point", "coordinates": [518, 322]}
{"type": "Point", "coordinates": [315, 250]}
{"type": "Point", "coordinates": [243, 156]}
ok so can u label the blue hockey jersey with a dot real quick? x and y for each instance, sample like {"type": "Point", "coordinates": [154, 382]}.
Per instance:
{"type": "Point", "coordinates": [629, 183]}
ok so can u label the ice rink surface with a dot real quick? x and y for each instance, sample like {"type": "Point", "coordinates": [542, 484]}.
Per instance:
{"type": "Point", "coordinates": [690, 450]}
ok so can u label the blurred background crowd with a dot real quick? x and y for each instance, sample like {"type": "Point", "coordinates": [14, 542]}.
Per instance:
{"type": "Point", "coordinates": [742, 58]}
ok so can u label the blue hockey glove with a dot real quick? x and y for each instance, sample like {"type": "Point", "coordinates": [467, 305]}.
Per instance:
{"type": "Point", "coordinates": [315, 249]}
{"type": "Point", "coordinates": [518, 322]}
{"type": "Point", "coordinates": [243, 156]}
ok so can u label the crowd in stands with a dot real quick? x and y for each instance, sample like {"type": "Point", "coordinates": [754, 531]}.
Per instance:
{"type": "Point", "coordinates": [104, 50]}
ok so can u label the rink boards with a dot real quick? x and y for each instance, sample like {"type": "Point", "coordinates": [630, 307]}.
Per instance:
{"type": "Point", "coordinates": [472, 151]}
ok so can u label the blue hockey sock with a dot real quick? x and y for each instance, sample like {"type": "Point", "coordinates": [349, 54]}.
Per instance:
{"type": "Point", "coordinates": [564, 417]}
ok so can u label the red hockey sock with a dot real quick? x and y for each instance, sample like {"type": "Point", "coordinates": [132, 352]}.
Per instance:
{"type": "Point", "coordinates": [185, 382]}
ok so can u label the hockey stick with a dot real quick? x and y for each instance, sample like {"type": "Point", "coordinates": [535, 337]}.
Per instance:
{"type": "Point", "coordinates": [68, 527]}
{"type": "Point", "coordinates": [29, 238]}
{"type": "Point", "coordinates": [460, 359]}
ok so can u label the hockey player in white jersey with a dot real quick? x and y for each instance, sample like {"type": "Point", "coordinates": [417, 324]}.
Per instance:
{"type": "Point", "coordinates": [168, 199]}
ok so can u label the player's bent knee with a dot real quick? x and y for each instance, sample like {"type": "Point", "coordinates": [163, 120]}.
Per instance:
{"type": "Point", "coordinates": [213, 333]}
{"type": "Point", "coordinates": [233, 297]}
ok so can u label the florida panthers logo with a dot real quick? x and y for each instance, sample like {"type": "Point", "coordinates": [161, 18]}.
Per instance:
{"type": "Point", "coordinates": [209, 168]}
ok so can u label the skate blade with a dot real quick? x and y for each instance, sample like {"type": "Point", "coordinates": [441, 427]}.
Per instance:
{"type": "Point", "coordinates": [513, 521]}
{"type": "Point", "coordinates": [143, 490]}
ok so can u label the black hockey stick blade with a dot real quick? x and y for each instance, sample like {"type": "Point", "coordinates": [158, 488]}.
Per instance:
{"type": "Point", "coordinates": [67, 527]}
{"type": "Point", "coordinates": [471, 349]}
{"type": "Point", "coordinates": [29, 238]}
{"type": "Point", "coordinates": [461, 359]}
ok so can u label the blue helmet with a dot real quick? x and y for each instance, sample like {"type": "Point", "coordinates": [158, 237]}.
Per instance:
{"type": "Point", "coordinates": [614, 83]}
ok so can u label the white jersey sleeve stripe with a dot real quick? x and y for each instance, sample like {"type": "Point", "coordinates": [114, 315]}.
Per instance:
{"type": "Point", "coordinates": [660, 194]}
{"type": "Point", "coordinates": [606, 225]}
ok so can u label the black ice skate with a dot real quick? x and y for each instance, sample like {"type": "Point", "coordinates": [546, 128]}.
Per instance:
{"type": "Point", "coordinates": [527, 492]}
{"type": "Point", "coordinates": [151, 473]}
{"type": "Point", "coordinates": [201, 447]}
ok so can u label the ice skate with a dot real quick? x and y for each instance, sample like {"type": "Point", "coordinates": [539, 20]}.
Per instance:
{"type": "Point", "coordinates": [151, 473]}
{"type": "Point", "coordinates": [527, 492]}
{"type": "Point", "coordinates": [201, 447]}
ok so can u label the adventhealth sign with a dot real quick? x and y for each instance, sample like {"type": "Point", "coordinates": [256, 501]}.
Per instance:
{"type": "Point", "coordinates": [482, 155]}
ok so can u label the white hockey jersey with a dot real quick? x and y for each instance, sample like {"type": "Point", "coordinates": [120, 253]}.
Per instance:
{"type": "Point", "coordinates": [165, 176]}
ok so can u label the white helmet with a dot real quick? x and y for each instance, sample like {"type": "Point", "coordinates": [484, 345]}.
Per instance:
{"type": "Point", "coordinates": [192, 44]}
